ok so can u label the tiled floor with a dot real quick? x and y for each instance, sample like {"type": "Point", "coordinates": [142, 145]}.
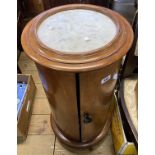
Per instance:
{"type": "Point", "coordinates": [41, 139]}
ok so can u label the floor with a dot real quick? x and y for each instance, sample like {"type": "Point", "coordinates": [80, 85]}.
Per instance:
{"type": "Point", "coordinates": [41, 139]}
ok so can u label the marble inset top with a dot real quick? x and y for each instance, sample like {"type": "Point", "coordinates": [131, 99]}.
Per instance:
{"type": "Point", "coordinates": [76, 31]}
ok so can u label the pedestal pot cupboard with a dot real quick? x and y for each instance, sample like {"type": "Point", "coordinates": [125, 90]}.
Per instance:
{"type": "Point", "coordinates": [78, 50]}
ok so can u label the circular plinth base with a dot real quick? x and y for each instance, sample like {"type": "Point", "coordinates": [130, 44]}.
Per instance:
{"type": "Point", "coordinates": [80, 145]}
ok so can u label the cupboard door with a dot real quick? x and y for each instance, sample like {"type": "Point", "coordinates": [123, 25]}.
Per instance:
{"type": "Point", "coordinates": [96, 98]}
{"type": "Point", "coordinates": [60, 88]}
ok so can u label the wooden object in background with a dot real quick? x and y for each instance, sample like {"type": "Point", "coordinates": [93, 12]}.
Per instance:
{"type": "Point", "coordinates": [128, 96]}
{"type": "Point", "coordinates": [129, 105]}
{"type": "Point", "coordinates": [79, 87]}
{"type": "Point", "coordinates": [33, 7]}
{"type": "Point", "coordinates": [26, 108]}
{"type": "Point", "coordinates": [55, 3]}
{"type": "Point", "coordinates": [123, 143]}
{"type": "Point", "coordinates": [105, 3]}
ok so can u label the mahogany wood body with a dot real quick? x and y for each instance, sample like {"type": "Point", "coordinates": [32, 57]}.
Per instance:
{"type": "Point", "coordinates": [81, 102]}
{"type": "Point", "coordinates": [94, 99]}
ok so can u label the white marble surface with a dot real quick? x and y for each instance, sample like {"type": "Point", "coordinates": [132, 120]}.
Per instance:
{"type": "Point", "coordinates": [76, 31]}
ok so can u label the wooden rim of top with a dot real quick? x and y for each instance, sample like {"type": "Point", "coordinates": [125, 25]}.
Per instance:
{"type": "Point", "coordinates": [85, 61]}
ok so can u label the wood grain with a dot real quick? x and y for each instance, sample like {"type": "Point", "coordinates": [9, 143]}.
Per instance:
{"type": "Point", "coordinates": [40, 125]}
{"type": "Point", "coordinates": [60, 89]}
{"type": "Point", "coordinates": [23, 57]}
{"type": "Point", "coordinates": [40, 93]}
{"type": "Point", "coordinates": [37, 145]}
{"type": "Point", "coordinates": [41, 106]}
{"type": "Point", "coordinates": [105, 147]}
{"type": "Point", "coordinates": [34, 74]}
{"type": "Point", "coordinates": [27, 65]}
{"type": "Point", "coordinates": [97, 99]}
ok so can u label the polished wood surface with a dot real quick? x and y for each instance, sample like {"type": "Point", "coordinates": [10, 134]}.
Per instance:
{"type": "Point", "coordinates": [99, 58]}
{"type": "Point", "coordinates": [41, 139]}
{"type": "Point", "coordinates": [80, 99]}
{"type": "Point", "coordinates": [60, 89]}
{"type": "Point", "coordinates": [96, 99]}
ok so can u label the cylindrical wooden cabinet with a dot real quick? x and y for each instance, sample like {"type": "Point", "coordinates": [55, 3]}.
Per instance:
{"type": "Point", "coordinates": [78, 50]}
